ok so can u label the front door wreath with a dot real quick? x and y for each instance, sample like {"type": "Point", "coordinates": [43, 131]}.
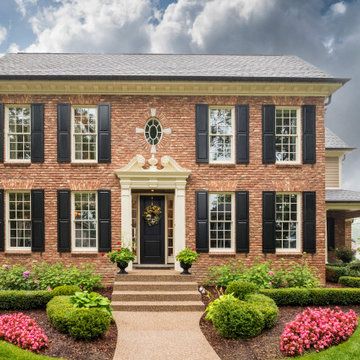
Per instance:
{"type": "Point", "coordinates": [152, 215]}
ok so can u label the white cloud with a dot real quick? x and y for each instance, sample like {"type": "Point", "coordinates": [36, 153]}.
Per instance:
{"type": "Point", "coordinates": [338, 8]}
{"type": "Point", "coordinates": [23, 5]}
{"type": "Point", "coordinates": [3, 34]}
{"type": "Point", "coordinates": [13, 48]}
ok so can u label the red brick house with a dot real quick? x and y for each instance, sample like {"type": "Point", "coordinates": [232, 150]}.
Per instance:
{"type": "Point", "coordinates": [229, 150]}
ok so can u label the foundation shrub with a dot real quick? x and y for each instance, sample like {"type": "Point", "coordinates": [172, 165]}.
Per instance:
{"type": "Point", "coordinates": [24, 300]}
{"type": "Point", "coordinates": [350, 281]}
{"type": "Point", "coordinates": [241, 288]}
{"type": "Point", "coordinates": [334, 272]}
{"type": "Point", "coordinates": [65, 290]}
{"type": "Point", "coordinates": [266, 306]}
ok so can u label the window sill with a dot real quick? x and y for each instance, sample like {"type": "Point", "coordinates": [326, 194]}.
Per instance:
{"type": "Point", "coordinates": [93, 164]}
{"type": "Point", "coordinates": [232, 165]}
{"type": "Point", "coordinates": [18, 252]}
{"type": "Point", "coordinates": [298, 254]}
{"type": "Point", "coordinates": [215, 253]}
{"type": "Point", "coordinates": [289, 165]}
{"type": "Point", "coordinates": [84, 253]}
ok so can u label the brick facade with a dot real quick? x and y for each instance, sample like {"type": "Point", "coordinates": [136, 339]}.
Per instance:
{"type": "Point", "coordinates": [178, 113]}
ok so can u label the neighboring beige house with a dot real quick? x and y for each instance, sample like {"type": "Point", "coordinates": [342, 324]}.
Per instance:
{"type": "Point", "coordinates": [342, 206]}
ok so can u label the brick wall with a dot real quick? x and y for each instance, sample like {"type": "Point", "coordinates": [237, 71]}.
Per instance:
{"type": "Point", "coordinates": [178, 113]}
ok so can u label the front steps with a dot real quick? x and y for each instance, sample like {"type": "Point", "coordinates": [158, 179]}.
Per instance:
{"type": "Point", "coordinates": [156, 290]}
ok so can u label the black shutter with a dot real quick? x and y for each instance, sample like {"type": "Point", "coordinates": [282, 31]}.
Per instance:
{"type": "Point", "coordinates": [330, 233]}
{"type": "Point", "coordinates": [104, 211]}
{"type": "Point", "coordinates": [309, 221]}
{"type": "Point", "coordinates": [242, 134]}
{"type": "Point", "coordinates": [37, 133]}
{"type": "Point", "coordinates": [64, 133]}
{"type": "Point", "coordinates": [202, 133]}
{"type": "Point", "coordinates": [2, 229]}
{"type": "Point", "coordinates": [269, 221]}
{"type": "Point", "coordinates": [202, 222]}
{"type": "Point", "coordinates": [64, 223]}
{"type": "Point", "coordinates": [37, 221]}
{"type": "Point", "coordinates": [242, 221]}
{"type": "Point", "coordinates": [1, 132]}
{"type": "Point", "coordinates": [309, 134]}
{"type": "Point", "coordinates": [104, 133]}
{"type": "Point", "coordinates": [268, 126]}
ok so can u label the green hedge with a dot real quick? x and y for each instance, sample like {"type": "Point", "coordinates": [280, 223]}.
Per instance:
{"type": "Point", "coordinates": [334, 272]}
{"type": "Point", "coordinates": [316, 296]}
{"type": "Point", "coordinates": [351, 281]}
{"type": "Point", "coordinates": [24, 300]}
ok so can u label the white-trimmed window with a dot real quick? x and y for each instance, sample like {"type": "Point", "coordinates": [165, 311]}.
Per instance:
{"type": "Point", "coordinates": [18, 133]}
{"type": "Point", "coordinates": [84, 134]}
{"type": "Point", "coordinates": [18, 212]}
{"type": "Point", "coordinates": [288, 220]}
{"type": "Point", "coordinates": [221, 221]}
{"type": "Point", "coordinates": [221, 135]}
{"type": "Point", "coordinates": [287, 132]}
{"type": "Point", "coordinates": [84, 215]}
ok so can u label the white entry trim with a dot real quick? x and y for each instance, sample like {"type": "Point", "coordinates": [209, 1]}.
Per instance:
{"type": "Point", "coordinates": [171, 176]}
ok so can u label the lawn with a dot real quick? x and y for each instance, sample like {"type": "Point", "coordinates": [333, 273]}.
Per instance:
{"type": "Point", "coordinates": [9, 351]}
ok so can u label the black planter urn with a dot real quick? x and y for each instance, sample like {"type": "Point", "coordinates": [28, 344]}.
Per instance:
{"type": "Point", "coordinates": [122, 265]}
{"type": "Point", "coordinates": [186, 268]}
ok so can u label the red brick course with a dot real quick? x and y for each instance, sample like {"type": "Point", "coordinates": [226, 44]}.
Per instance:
{"type": "Point", "coordinates": [178, 113]}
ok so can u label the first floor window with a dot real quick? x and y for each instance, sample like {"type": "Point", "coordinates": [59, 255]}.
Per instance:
{"type": "Point", "coordinates": [221, 221]}
{"type": "Point", "coordinates": [18, 129]}
{"type": "Point", "coordinates": [19, 220]}
{"type": "Point", "coordinates": [221, 137]}
{"type": "Point", "coordinates": [287, 222]}
{"type": "Point", "coordinates": [85, 133]}
{"type": "Point", "coordinates": [85, 220]}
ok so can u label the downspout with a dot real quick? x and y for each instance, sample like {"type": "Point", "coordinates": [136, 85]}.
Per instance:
{"type": "Point", "coordinates": [327, 101]}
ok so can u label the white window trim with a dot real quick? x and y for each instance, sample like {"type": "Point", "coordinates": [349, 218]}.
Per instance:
{"type": "Point", "coordinates": [232, 248]}
{"type": "Point", "coordinates": [232, 135]}
{"type": "Point", "coordinates": [75, 249]}
{"type": "Point", "coordinates": [299, 136]}
{"type": "Point", "coordinates": [299, 244]}
{"type": "Point", "coordinates": [7, 222]}
{"type": "Point", "coordinates": [6, 136]}
{"type": "Point", "coordinates": [73, 160]}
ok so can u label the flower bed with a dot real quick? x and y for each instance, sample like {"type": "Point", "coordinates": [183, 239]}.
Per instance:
{"type": "Point", "coordinates": [317, 329]}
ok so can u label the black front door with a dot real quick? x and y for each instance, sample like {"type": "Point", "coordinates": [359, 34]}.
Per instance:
{"type": "Point", "coordinates": [152, 236]}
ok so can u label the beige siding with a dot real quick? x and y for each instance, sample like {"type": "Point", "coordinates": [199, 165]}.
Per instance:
{"type": "Point", "coordinates": [332, 172]}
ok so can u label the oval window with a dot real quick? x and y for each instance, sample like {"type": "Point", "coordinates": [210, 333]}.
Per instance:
{"type": "Point", "coordinates": [153, 131]}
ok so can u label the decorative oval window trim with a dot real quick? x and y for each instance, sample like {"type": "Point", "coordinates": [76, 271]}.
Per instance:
{"type": "Point", "coordinates": [153, 124]}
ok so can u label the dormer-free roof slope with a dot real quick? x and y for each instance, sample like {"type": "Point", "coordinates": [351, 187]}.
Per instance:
{"type": "Point", "coordinates": [334, 142]}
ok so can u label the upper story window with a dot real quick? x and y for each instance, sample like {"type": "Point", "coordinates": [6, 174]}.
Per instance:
{"type": "Point", "coordinates": [221, 215]}
{"type": "Point", "coordinates": [287, 215]}
{"type": "Point", "coordinates": [84, 139]}
{"type": "Point", "coordinates": [221, 135]}
{"type": "Point", "coordinates": [287, 131]}
{"type": "Point", "coordinates": [84, 221]}
{"type": "Point", "coordinates": [18, 133]}
{"type": "Point", "coordinates": [19, 220]}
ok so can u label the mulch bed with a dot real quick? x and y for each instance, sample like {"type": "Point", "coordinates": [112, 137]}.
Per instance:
{"type": "Point", "coordinates": [263, 347]}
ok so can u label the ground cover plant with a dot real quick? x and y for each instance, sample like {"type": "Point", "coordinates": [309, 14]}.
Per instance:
{"type": "Point", "coordinates": [317, 329]}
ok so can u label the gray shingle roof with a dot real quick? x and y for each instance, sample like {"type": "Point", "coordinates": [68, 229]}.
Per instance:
{"type": "Point", "coordinates": [160, 66]}
{"type": "Point", "coordinates": [332, 141]}
{"type": "Point", "coordinates": [342, 196]}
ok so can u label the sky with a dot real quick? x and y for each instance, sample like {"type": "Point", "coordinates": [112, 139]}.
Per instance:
{"type": "Point", "coordinates": [325, 33]}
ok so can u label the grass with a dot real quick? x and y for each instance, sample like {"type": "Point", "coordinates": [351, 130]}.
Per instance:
{"type": "Point", "coordinates": [9, 351]}
{"type": "Point", "coordinates": [348, 350]}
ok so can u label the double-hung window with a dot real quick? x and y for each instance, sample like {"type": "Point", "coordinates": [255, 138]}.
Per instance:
{"type": "Point", "coordinates": [84, 134]}
{"type": "Point", "coordinates": [18, 220]}
{"type": "Point", "coordinates": [84, 224]}
{"type": "Point", "coordinates": [287, 132]}
{"type": "Point", "coordinates": [288, 220]}
{"type": "Point", "coordinates": [221, 221]}
{"type": "Point", "coordinates": [221, 135]}
{"type": "Point", "coordinates": [18, 133]}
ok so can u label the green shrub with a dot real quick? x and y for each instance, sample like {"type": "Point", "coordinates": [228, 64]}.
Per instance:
{"type": "Point", "coordinates": [234, 318]}
{"type": "Point", "coordinates": [92, 300]}
{"type": "Point", "coordinates": [345, 254]}
{"type": "Point", "coordinates": [260, 298]}
{"type": "Point", "coordinates": [241, 288]}
{"type": "Point", "coordinates": [350, 281]}
{"type": "Point", "coordinates": [65, 290]}
{"type": "Point", "coordinates": [12, 278]}
{"type": "Point", "coordinates": [334, 272]}
{"type": "Point", "coordinates": [80, 323]}
{"type": "Point", "coordinates": [24, 300]}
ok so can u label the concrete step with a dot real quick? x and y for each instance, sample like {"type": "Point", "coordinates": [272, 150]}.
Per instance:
{"type": "Point", "coordinates": [155, 276]}
{"type": "Point", "coordinates": [157, 306]}
{"type": "Point", "coordinates": [156, 296]}
{"type": "Point", "coordinates": [154, 286]}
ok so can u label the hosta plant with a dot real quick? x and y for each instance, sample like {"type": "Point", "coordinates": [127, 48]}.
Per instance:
{"type": "Point", "coordinates": [90, 300]}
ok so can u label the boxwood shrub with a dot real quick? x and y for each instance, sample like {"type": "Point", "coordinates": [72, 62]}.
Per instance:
{"type": "Point", "coordinates": [241, 288]}
{"type": "Point", "coordinates": [334, 272]}
{"type": "Point", "coordinates": [65, 290]}
{"type": "Point", "coordinates": [351, 281]}
{"type": "Point", "coordinates": [80, 323]}
{"type": "Point", "coordinates": [24, 300]}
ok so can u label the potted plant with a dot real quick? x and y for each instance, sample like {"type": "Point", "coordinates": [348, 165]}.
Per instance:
{"type": "Point", "coordinates": [187, 257]}
{"type": "Point", "coordinates": [121, 257]}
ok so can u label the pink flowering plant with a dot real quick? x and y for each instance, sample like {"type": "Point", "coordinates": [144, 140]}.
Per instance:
{"type": "Point", "coordinates": [318, 329]}
{"type": "Point", "coordinates": [21, 330]}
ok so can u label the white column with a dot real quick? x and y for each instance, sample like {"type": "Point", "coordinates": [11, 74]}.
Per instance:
{"type": "Point", "coordinates": [126, 220]}
{"type": "Point", "coordinates": [179, 220]}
